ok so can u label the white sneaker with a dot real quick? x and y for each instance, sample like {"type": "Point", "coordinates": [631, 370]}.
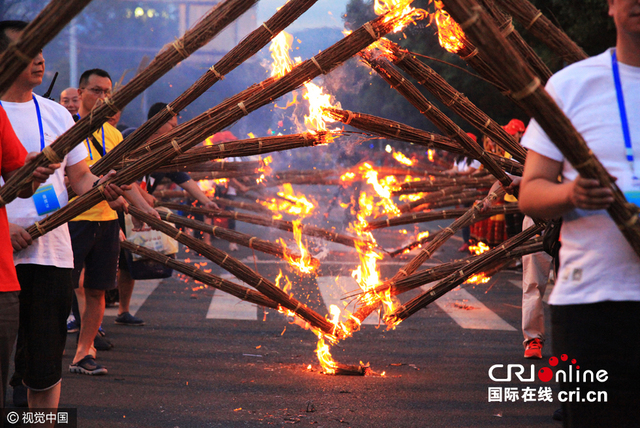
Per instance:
{"type": "Point", "coordinates": [233, 246]}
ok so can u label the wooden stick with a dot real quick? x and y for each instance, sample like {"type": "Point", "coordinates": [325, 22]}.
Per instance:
{"type": "Point", "coordinates": [424, 217]}
{"type": "Point", "coordinates": [248, 47]}
{"type": "Point", "coordinates": [239, 291]}
{"type": "Point", "coordinates": [270, 222]}
{"type": "Point", "coordinates": [543, 29]}
{"type": "Point", "coordinates": [214, 22]}
{"type": "Point", "coordinates": [456, 101]}
{"type": "Point", "coordinates": [452, 281]}
{"type": "Point", "coordinates": [249, 206]}
{"type": "Point", "coordinates": [239, 238]}
{"type": "Point", "coordinates": [44, 27]}
{"type": "Point", "coordinates": [239, 270]}
{"type": "Point", "coordinates": [541, 106]}
{"type": "Point", "coordinates": [439, 119]}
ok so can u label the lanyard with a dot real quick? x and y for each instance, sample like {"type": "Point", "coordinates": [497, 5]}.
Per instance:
{"type": "Point", "coordinates": [104, 147]}
{"type": "Point", "coordinates": [39, 121]}
{"type": "Point", "coordinates": [623, 112]}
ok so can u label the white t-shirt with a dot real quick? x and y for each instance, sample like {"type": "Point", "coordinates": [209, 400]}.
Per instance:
{"type": "Point", "coordinates": [596, 261]}
{"type": "Point", "coordinates": [54, 248]}
{"type": "Point", "coordinates": [463, 167]}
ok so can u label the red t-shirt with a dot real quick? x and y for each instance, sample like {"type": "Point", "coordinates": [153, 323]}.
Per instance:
{"type": "Point", "coordinates": [12, 155]}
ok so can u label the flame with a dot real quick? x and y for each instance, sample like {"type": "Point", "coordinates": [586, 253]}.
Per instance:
{"type": "Point", "coordinates": [287, 286]}
{"type": "Point", "coordinates": [422, 235]}
{"type": "Point", "coordinates": [450, 34]}
{"type": "Point", "coordinates": [479, 278]}
{"type": "Point", "coordinates": [430, 154]}
{"type": "Point", "coordinates": [348, 176]}
{"type": "Point", "coordinates": [478, 249]}
{"type": "Point", "coordinates": [279, 48]}
{"type": "Point", "coordinates": [324, 356]}
{"type": "Point", "coordinates": [382, 188]}
{"type": "Point", "coordinates": [294, 204]}
{"type": "Point", "coordinates": [400, 157]}
{"type": "Point", "coordinates": [400, 11]}
{"type": "Point", "coordinates": [303, 264]}
{"type": "Point", "coordinates": [318, 101]}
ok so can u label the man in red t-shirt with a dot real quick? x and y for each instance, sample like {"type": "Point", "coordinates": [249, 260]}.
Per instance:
{"type": "Point", "coordinates": [12, 157]}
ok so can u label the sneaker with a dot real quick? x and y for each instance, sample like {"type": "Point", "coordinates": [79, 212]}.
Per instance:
{"type": "Point", "coordinates": [102, 344]}
{"type": "Point", "coordinates": [101, 332]}
{"type": "Point", "coordinates": [533, 349]}
{"type": "Point", "coordinates": [233, 246]}
{"type": "Point", "coordinates": [72, 324]}
{"type": "Point", "coordinates": [465, 247]}
{"type": "Point", "coordinates": [20, 396]}
{"type": "Point", "coordinates": [126, 318]}
{"type": "Point", "coordinates": [88, 366]}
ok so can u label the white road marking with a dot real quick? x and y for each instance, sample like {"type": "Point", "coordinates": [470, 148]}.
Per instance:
{"type": "Point", "coordinates": [141, 291]}
{"type": "Point", "coordinates": [227, 307]}
{"type": "Point", "coordinates": [332, 292]}
{"type": "Point", "coordinates": [470, 312]}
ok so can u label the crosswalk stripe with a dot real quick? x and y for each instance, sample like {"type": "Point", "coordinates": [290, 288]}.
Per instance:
{"type": "Point", "coordinates": [228, 307]}
{"type": "Point", "coordinates": [333, 289]}
{"type": "Point", "coordinates": [141, 291]}
{"type": "Point", "coordinates": [470, 312]}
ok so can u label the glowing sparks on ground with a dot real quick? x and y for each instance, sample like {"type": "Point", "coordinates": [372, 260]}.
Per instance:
{"type": "Point", "coordinates": [450, 34]}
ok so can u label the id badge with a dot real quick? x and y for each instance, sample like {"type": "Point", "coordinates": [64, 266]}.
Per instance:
{"type": "Point", "coordinates": [633, 195]}
{"type": "Point", "coordinates": [46, 200]}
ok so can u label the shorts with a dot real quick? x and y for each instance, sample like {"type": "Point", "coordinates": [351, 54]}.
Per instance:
{"type": "Point", "coordinates": [96, 247]}
{"type": "Point", "coordinates": [45, 302]}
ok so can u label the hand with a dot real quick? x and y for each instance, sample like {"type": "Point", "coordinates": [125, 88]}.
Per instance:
{"type": "Point", "coordinates": [118, 204]}
{"type": "Point", "coordinates": [211, 206]}
{"type": "Point", "coordinates": [588, 194]}
{"type": "Point", "coordinates": [515, 183]}
{"type": "Point", "coordinates": [20, 239]}
{"type": "Point", "coordinates": [112, 191]}
{"type": "Point", "coordinates": [42, 173]}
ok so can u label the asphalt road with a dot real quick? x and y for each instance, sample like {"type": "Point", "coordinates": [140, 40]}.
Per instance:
{"type": "Point", "coordinates": [206, 361]}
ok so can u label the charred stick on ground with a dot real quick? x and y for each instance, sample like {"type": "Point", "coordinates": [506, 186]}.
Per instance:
{"type": "Point", "coordinates": [240, 270]}
{"type": "Point", "coordinates": [456, 101]}
{"type": "Point", "coordinates": [237, 290]}
{"type": "Point", "coordinates": [209, 26]}
{"type": "Point", "coordinates": [269, 222]}
{"type": "Point", "coordinates": [439, 215]}
{"type": "Point", "coordinates": [236, 237]}
{"type": "Point", "coordinates": [386, 70]}
{"type": "Point", "coordinates": [425, 253]}
{"type": "Point", "coordinates": [538, 104]}
{"type": "Point", "coordinates": [452, 281]}
{"type": "Point", "coordinates": [543, 29]}
{"type": "Point", "coordinates": [248, 47]}
{"type": "Point", "coordinates": [44, 27]}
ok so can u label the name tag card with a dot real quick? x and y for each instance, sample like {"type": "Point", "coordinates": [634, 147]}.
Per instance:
{"type": "Point", "coordinates": [46, 200]}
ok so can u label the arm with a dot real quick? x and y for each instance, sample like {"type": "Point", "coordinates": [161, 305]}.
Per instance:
{"type": "Point", "coordinates": [541, 195]}
{"type": "Point", "coordinates": [134, 196]}
{"type": "Point", "coordinates": [194, 190]}
{"type": "Point", "coordinates": [82, 180]}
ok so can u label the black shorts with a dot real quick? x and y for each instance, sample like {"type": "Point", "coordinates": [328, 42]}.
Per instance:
{"type": "Point", "coordinates": [96, 247]}
{"type": "Point", "coordinates": [45, 302]}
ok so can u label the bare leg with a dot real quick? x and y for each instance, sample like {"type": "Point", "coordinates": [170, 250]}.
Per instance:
{"type": "Point", "coordinates": [91, 318]}
{"type": "Point", "coordinates": [48, 399]}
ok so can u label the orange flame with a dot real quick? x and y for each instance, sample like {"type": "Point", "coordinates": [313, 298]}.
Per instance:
{"type": "Point", "coordinates": [294, 204]}
{"type": "Point", "coordinates": [450, 34]}
{"type": "Point", "coordinates": [430, 154]}
{"type": "Point", "coordinates": [279, 48]}
{"type": "Point", "coordinates": [324, 356]}
{"type": "Point", "coordinates": [382, 188]}
{"type": "Point", "coordinates": [400, 11]}
{"type": "Point", "coordinates": [400, 157]}
{"type": "Point", "coordinates": [478, 249]}
{"type": "Point", "coordinates": [303, 264]}
{"type": "Point", "coordinates": [318, 101]}
{"type": "Point", "coordinates": [478, 279]}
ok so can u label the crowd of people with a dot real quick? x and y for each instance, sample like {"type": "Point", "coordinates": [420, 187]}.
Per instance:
{"type": "Point", "coordinates": [595, 304]}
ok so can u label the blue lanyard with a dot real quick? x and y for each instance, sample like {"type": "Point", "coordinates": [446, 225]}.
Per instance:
{"type": "Point", "coordinates": [104, 147]}
{"type": "Point", "coordinates": [623, 112]}
{"type": "Point", "coordinates": [39, 121]}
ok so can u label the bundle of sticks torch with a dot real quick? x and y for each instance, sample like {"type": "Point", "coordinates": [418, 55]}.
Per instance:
{"type": "Point", "coordinates": [412, 189]}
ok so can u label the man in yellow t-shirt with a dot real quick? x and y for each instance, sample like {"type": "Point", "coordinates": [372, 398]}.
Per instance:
{"type": "Point", "coordinates": [95, 234]}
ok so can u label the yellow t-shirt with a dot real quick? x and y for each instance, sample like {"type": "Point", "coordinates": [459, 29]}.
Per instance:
{"type": "Point", "coordinates": [112, 137]}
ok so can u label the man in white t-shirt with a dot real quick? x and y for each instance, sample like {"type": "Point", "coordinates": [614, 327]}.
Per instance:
{"type": "Point", "coordinates": [43, 266]}
{"type": "Point", "coordinates": [595, 304]}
